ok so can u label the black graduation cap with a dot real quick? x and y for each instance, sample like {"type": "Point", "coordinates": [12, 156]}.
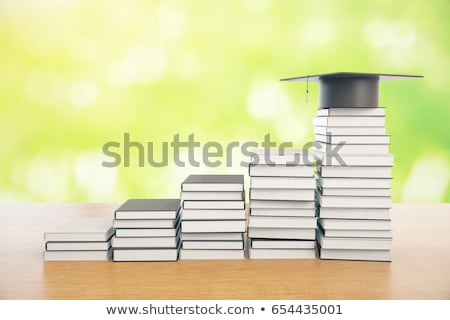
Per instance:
{"type": "Point", "coordinates": [349, 89]}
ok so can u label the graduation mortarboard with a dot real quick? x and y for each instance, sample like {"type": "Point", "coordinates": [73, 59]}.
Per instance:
{"type": "Point", "coordinates": [349, 89]}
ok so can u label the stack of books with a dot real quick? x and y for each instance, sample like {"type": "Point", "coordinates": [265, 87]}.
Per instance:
{"type": "Point", "coordinates": [212, 217]}
{"type": "Point", "coordinates": [79, 239]}
{"type": "Point", "coordinates": [353, 184]}
{"type": "Point", "coordinates": [282, 218]}
{"type": "Point", "coordinates": [147, 230]}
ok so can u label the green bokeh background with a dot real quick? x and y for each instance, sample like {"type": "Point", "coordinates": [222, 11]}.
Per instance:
{"type": "Point", "coordinates": [75, 74]}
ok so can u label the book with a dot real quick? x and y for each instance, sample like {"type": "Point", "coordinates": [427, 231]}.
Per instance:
{"type": "Point", "coordinates": [366, 192]}
{"type": "Point", "coordinates": [213, 245]}
{"type": "Point", "coordinates": [281, 157]}
{"type": "Point", "coordinates": [346, 121]}
{"type": "Point", "coordinates": [357, 233]}
{"type": "Point", "coordinates": [353, 243]}
{"type": "Point", "coordinates": [282, 222]}
{"type": "Point", "coordinates": [265, 170]}
{"type": "Point", "coordinates": [350, 131]}
{"type": "Point", "coordinates": [282, 233]}
{"type": "Point", "coordinates": [281, 244]}
{"type": "Point", "coordinates": [145, 254]}
{"type": "Point", "coordinates": [282, 183]}
{"type": "Point", "coordinates": [139, 224]}
{"type": "Point", "coordinates": [356, 213]}
{"type": "Point", "coordinates": [355, 172]}
{"type": "Point", "coordinates": [213, 226]}
{"type": "Point", "coordinates": [81, 229]}
{"type": "Point", "coordinates": [167, 232]}
{"type": "Point", "coordinates": [147, 242]}
{"type": "Point", "coordinates": [213, 236]}
{"type": "Point", "coordinates": [282, 194]}
{"type": "Point", "coordinates": [335, 139]}
{"type": "Point", "coordinates": [354, 159]}
{"type": "Point", "coordinates": [212, 195]}
{"type": "Point", "coordinates": [354, 183]}
{"type": "Point", "coordinates": [356, 149]}
{"type": "Point", "coordinates": [213, 204]}
{"type": "Point", "coordinates": [148, 209]}
{"type": "Point", "coordinates": [347, 224]}
{"type": "Point", "coordinates": [213, 182]}
{"type": "Point", "coordinates": [283, 212]}
{"type": "Point", "coordinates": [351, 112]}
{"type": "Point", "coordinates": [211, 214]}
{"type": "Point", "coordinates": [281, 204]}
{"type": "Point", "coordinates": [354, 202]}
{"type": "Point", "coordinates": [191, 254]}
{"type": "Point", "coordinates": [78, 255]}
{"type": "Point", "coordinates": [281, 253]}
{"type": "Point", "coordinates": [78, 246]}
{"type": "Point", "coordinates": [350, 254]}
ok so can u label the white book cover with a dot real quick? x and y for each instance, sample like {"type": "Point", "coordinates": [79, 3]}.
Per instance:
{"type": "Point", "coordinates": [350, 131]}
{"type": "Point", "coordinates": [282, 194]}
{"type": "Point", "coordinates": [283, 212]}
{"type": "Point", "coordinates": [281, 204]}
{"type": "Point", "coordinates": [281, 156]}
{"type": "Point", "coordinates": [147, 242]}
{"type": "Point", "coordinates": [81, 229]}
{"type": "Point", "coordinates": [139, 224]}
{"type": "Point", "coordinates": [283, 182]}
{"type": "Point", "coordinates": [265, 170]}
{"type": "Point", "coordinates": [282, 233]}
{"type": "Point", "coordinates": [145, 254]}
{"type": "Point", "coordinates": [281, 253]}
{"type": "Point", "coordinates": [213, 245]}
{"type": "Point", "coordinates": [347, 224]}
{"type": "Point", "coordinates": [355, 172]}
{"type": "Point", "coordinates": [363, 255]}
{"type": "Point", "coordinates": [77, 255]}
{"type": "Point", "coordinates": [213, 236]}
{"type": "Point", "coordinates": [354, 159]}
{"type": "Point", "coordinates": [212, 195]}
{"type": "Point", "coordinates": [78, 246]}
{"type": "Point", "coordinates": [129, 233]}
{"type": "Point", "coordinates": [211, 214]}
{"type": "Point", "coordinates": [213, 204]}
{"type": "Point", "coordinates": [281, 244]}
{"type": "Point", "coordinates": [354, 202]}
{"type": "Point", "coordinates": [335, 139]}
{"type": "Point", "coordinates": [354, 183]}
{"type": "Point", "coordinates": [190, 254]}
{"type": "Point", "coordinates": [351, 112]}
{"type": "Point", "coordinates": [354, 243]}
{"type": "Point", "coordinates": [353, 149]}
{"type": "Point", "coordinates": [345, 121]}
{"type": "Point", "coordinates": [213, 182]}
{"type": "Point", "coordinates": [367, 192]}
{"type": "Point", "coordinates": [282, 222]}
{"type": "Point", "coordinates": [213, 226]}
{"type": "Point", "coordinates": [357, 233]}
{"type": "Point", "coordinates": [356, 213]}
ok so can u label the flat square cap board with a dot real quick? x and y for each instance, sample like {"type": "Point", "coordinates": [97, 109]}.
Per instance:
{"type": "Point", "coordinates": [349, 89]}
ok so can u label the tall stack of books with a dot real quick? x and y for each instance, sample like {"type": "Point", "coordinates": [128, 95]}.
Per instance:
{"type": "Point", "coordinates": [212, 217]}
{"type": "Point", "coordinates": [282, 218]}
{"type": "Point", "coordinates": [79, 239]}
{"type": "Point", "coordinates": [353, 179]}
{"type": "Point", "coordinates": [147, 230]}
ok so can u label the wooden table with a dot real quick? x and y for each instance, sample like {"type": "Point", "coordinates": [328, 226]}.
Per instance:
{"type": "Point", "coordinates": [420, 267]}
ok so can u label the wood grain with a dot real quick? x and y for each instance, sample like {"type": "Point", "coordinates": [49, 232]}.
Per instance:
{"type": "Point", "coordinates": [420, 267]}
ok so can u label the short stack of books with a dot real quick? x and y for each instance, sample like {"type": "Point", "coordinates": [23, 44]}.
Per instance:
{"type": "Point", "coordinates": [282, 218]}
{"type": "Point", "coordinates": [79, 239]}
{"type": "Point", "coordinates": [353, 179]}
{"type": "Point", "coordinates": [212, 217]}
{"type": "Point", "coordinates": [147, 230]}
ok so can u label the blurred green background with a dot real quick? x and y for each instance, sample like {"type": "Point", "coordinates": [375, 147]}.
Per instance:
{"type": "Point", "coordinates": [75, 74]}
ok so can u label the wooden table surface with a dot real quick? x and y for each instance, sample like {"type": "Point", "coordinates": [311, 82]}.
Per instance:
{"type": "Point", "coordinates": [420, 267]}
